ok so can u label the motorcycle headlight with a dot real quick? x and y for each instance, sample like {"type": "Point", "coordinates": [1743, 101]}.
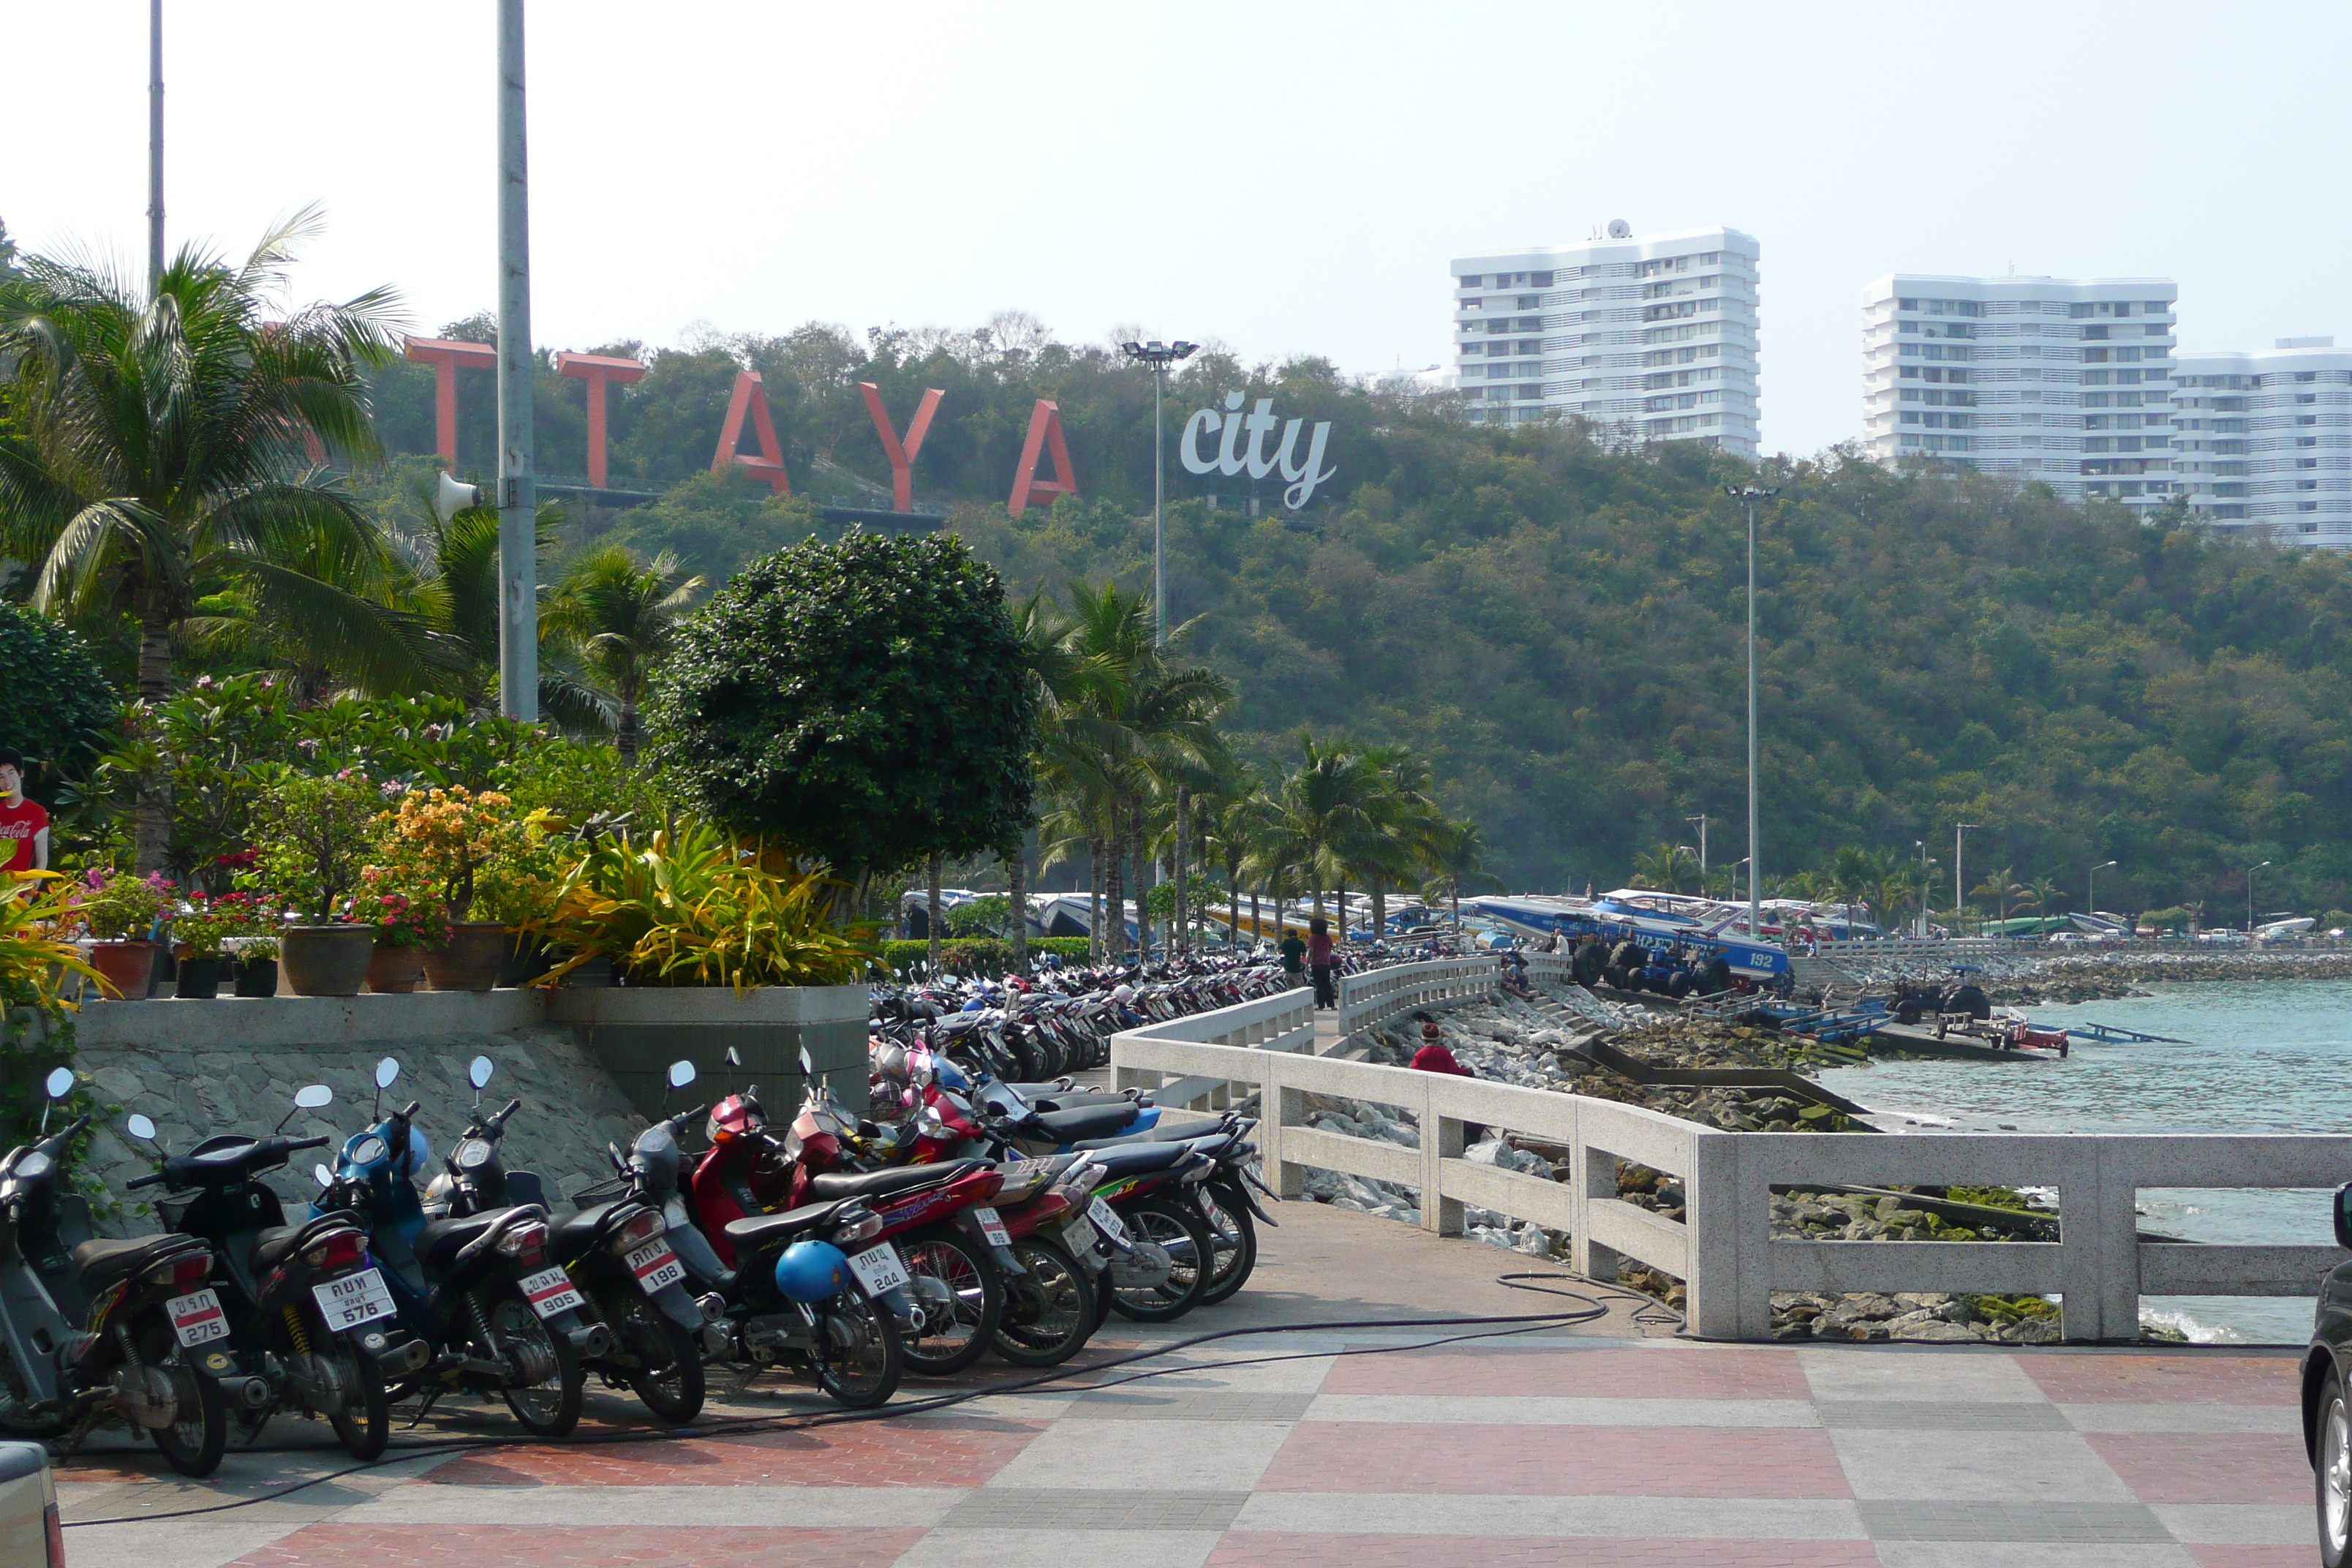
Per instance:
{"type": "Point", "coordinates": [473, 1154]}
{"type": "Point", "coordinates": [370, 1150]}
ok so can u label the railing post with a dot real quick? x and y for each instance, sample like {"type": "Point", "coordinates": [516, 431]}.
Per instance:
{"type": "Point", "coordinates": [1592, 1177]}
{"type": "Point", "coordinates": [1441, 1140]}
{"type": "Point", "coordinates": [1279, 1109]}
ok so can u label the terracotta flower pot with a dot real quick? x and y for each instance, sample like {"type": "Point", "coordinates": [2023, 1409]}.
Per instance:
{"type": "Point", "coordinates": [200, 978]}
{"type": "Point", "coordinates": [256, 976]}
{"type": "Point", "coordinates": [129, 967]}
{"type": "Point", "coordinates": [394, 970]}
{"type": "Point", "coordinates": [326, 961]}
{"type": "Point", "coordinates": [470, 960]}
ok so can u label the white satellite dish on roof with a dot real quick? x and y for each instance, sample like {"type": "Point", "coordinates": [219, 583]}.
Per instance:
{"type": "Point", "coordinates": [1620, 229]}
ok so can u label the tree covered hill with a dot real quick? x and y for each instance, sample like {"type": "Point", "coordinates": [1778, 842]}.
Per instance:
{"type": "Point", "coordinates": [1558, 627]}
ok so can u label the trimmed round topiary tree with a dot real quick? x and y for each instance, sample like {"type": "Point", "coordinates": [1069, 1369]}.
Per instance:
{"type": "Point", "coordinates": [60, 706]}
{"type": "Point", "coordinates": [864, 701]}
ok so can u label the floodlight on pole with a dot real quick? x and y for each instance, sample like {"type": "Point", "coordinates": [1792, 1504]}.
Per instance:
{"type": "Point", "coordinates": [1751, 494]}
{"type": "Point", "coordinates": [1701, 820]}
{"type": "Point", "coordinates": [2091, 893]}
{"type": "Point", "coordinates": [1959, 882]}
{"type": "Point", "coordinates": [1158, 356]}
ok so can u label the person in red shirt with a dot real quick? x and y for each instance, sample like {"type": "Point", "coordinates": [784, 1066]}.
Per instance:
{"type": "Point", "coordinates": [24, 825]}
{"type": "Point", "coordinates": [1321, 961]}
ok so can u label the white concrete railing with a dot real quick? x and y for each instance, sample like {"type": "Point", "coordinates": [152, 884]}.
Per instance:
{"type": "Point", "coordinates": [1379, 995]}
{"type": "Point", "coordinates": [1724, 1251]}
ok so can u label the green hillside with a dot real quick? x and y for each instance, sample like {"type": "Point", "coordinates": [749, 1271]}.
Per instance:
{"type": "Point", "coordinates": [1558, 627]}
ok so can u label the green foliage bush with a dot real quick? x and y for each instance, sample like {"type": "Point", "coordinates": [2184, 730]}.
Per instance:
{"type": "Point", "coordinates": [60, 706]}
{"type": "Point", "coordinates": [900, 956]}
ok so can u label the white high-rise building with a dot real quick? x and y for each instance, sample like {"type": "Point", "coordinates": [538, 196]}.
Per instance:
{"type": "Point", "coordinates": [2063, 379]}
{"type": "Point", "coordinates": [2263, 441]}
{"type": "Point", "coordinates": [1652, 339]}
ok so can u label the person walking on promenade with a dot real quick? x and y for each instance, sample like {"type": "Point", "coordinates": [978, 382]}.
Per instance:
{"type": "Point", "coordinates": [24, 825]}
{"type": "Point", "coordinates": [1320, 962]}
{"type": "Point", "coordinates": [1293, 958]}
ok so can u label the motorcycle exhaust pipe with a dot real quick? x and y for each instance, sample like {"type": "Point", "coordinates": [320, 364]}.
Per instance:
{"type": "Point", "coordinates": [592, 1342]}
{"type": "Point", "coordinates": [404, 1359]}
{"type": "Point", "coordinates": [252, 1392]}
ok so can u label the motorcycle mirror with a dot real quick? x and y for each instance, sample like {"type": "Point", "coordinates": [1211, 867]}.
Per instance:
{"type": "Point", "coordinates": [141, 1128]}
{"type": "Point", "coordinates": [310, 1097]}
{"type": "Point", "coordinates": [680, 1074]}
{"type": "Point", "coordinates": [808, 1068]}
{"type": "Point", "coordinates": [477, 1071]}
{"type": "Point", "coordinates": [387, 1073]}
{"type": "Point", "coordinates": [734, 1059]}
{"type": "Point", "coordinates": [324, 1177]}
{"type": "Point", "coordinates": [59, 1083]}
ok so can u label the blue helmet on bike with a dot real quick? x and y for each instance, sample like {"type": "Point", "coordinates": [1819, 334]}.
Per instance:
{"type": "Point", "coordinates": [812, 1271]}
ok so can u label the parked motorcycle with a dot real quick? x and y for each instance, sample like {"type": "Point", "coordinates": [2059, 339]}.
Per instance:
{"type": "Point", "coordinates": [145, 1314]}
{"type": "Point", "coordinates": [309, 1318]}
{"type": "Point", "coordinates": [481, 1288]}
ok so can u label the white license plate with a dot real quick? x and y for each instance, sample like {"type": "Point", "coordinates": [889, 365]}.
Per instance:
{"type": "Point", "coordinates": [878, 1268]}
{"type": "Point", "coordinates": [992, 1225]}
{"type": "Point", "coordinates": [354, 1299]}
{"type": "Point", "coordinates": [654, 1265]}
{"type": "Point", "coordinates": [1106, 1220]}
{"type": "Point", "coordinates": [550, 1291]}
{"type": "Point", "coordinates": [197, 1317]}
{"type": "Point", "coordinates": [1079, 1237]}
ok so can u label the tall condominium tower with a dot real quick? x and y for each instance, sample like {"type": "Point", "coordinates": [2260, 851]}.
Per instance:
{"type": "Point", "coordinates": [2065, 380]}
{"type": "Point", "coordinates": [2263, 441]}
{"type": "Point", "coordinates": [1652, 339]}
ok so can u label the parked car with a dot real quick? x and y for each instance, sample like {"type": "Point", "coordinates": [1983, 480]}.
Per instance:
{"type": "Point", "coordinates": [2326, 1421]}
{"type": "Point", "coordinates": [30, 1531]}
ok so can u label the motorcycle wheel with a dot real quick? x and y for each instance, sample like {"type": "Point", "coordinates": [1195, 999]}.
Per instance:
{"type": "Point", "coordinates": [1173, 1224]}
{"type": "Point", "coordinates": [1060, 1327]}
{"type": "Point", "coordinates": [363, 1425]}
{"type": "Point", "coordinates": [1053, 1061]}
{"type": "Point", "coordinates": [1232, 1242]}
{"type": "Point", "coordinates": [962, 1332]}
{"type": "Point", "coordinates": [864, 1374]}
{"type": "Point", "coordinates": [1029, 1061]}
{"type": "Point", "coordinates": [198, 1434]}
{"type": "Point", "coordinates": [669, 1381]}
{"type": "Point", "coordinates": [13, 1423]}
{"type": "Point", "coordinates": [551, 1408]}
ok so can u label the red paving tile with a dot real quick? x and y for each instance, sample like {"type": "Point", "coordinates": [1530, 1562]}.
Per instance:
{"type": "Point", "coordinates": [935, 1453]}
{"type": "Point", "coordinates": [2207, 1466]}
{"type": "Point", "coordinates": [2187, 1378]}
{"type": "Point", "coordinates": [1556, 1461]}
{"type": "Point", "coordinates": [1273, 1549]}
{"type": "Point", "coordinates": [541, 1546]}
{"type": "Point", "coordinates": [2252, 1556]}
{"type": "Point", "coordinates": [1678, 1373]}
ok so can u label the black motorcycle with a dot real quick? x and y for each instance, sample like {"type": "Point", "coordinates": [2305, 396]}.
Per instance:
{"type": "Point", "coordinates": [146, 1352]}
{"type": "Point", "coordinates": [309, 1317]}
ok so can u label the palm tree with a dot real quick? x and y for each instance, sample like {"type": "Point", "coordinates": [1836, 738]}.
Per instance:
{"type": "Point", "coordinates": [2001, 887]}
{"type": "Point", "coordinates": [1457, 859]}
{"type": "Point", "coordinates": [161, 446]}
{"type": "Point", "coordinates": [453, 580]}
{"type": "Point", "coordinates": [623, 617]}
{"type": "Point", "coordinates": [1661, 866]}
{"type": "Point", "coordinates": [1398, 847]}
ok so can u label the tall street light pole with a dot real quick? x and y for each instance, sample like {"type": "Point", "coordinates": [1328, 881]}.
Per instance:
{"type": "Point", "coordinates": [2250, 898]}
{"type": "Point", "coordinates": [2091, 894]}
{"type": "Point", "coordinates": [1751, 494]}
{"type": "Point", "coordinates": [1960, 880]}
{"type": "Point", "coordinates": [517, 490]}
{"type": "Point", "coordinates": [1158, 356]}
{"type": "Point", "coordinates": [1921, 846]}
{"type": "Point", "coordinates": [155, 146]}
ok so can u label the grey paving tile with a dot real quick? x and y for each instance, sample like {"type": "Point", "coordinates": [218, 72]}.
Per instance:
{"type": "Point", "coordinates": [1925, 1415]}
{"type": "Point", "coordinates": [2032, 1555]}
{"type": "Point", "coordinates": [1903, 1372]}
{"type": "Point", "coordinates": [1146, 1402]}
{"type": "Point", "coordinates": [686, 1507]}
{"type": "Point", "coordinates": [1987, 1467]}
{"type": "Point", "coordinates": [2084, 1523]}
{"type": "Point", "coordinates": [1075, 1508]}
{"type": "Point", "coordinates": [2241, 1524]}
{"type": "Point", "coordinates": [1422, 1513]}
{"type": "Point", "coordinates": [1557, 1410]}
{"type": "Point", "coordinates": [1166, 1455]}
{"type": "Point", "coordinates": [1060, 1549]}
{"type": "Point", "coordinates": [2120, 1417]}
{"type": "Point", "coordinates": [182, 1543]}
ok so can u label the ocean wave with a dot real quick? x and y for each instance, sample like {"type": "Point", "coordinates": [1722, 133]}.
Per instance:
{"type": "Point", "coordinates": [2199, 1331]}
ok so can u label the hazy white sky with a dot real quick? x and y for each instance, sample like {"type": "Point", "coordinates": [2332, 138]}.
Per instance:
{"type": "Point", "coordinates": [1285, 178]}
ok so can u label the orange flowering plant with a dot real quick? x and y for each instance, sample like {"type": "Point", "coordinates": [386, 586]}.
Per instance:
{"type": "Point", "coordinates": [445, 838]}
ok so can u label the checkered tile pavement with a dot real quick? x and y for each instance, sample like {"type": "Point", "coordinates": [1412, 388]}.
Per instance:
{"type": "Point", "coordinates": [1506, 1454]}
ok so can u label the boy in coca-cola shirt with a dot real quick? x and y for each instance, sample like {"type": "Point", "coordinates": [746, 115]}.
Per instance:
{"type": "Point", "coordinates": [24, 825]}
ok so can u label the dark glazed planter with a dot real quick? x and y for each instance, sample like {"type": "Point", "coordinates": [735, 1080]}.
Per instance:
{"type": "Point", "coordinates": [200, 978]}
{"type": "Point", "coordinates": [394, 970]}
{"type": "Point", "coordinates": [326, 961]}
{"type": "Point", "coordinates": [469, 960]}
{"type": "Point", "coordinates": [256, 977]}
{"type": "Point", "coordinates": [525, 960]}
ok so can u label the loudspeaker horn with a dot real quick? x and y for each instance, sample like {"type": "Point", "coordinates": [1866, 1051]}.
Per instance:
{"type": "Point", "coordinates": [456, 497]}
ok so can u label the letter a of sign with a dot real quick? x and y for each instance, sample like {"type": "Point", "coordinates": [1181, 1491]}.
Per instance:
{"type": "Point", "coordinates": [1045, 429]}
{"type": "Point", "coordinates": [902, 457]}
{"type": "Point", "coordinates": [752, 398]}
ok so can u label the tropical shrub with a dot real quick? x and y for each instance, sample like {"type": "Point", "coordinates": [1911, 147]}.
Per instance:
{"type": "Point", "coordinates": [315, 835]}
{"type": "Point", "coordinates": [62, 703]}
{"type": "Point", "coordinates": [401, 910]}
{"type": "Point", "coordinates": [697, 910]}
{"type": "Point", "coordinates": [443, 837]}
{"type": "Point", "coordinates": [37, 909]}
{"type": "Point", "coordinates": [121, 905]}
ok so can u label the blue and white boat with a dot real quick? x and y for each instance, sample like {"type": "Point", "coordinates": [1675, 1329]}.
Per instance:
{"type": "Point", "coordinates": [1615, 916]}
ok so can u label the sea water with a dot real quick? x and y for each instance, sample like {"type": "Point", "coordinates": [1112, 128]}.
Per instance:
{"type": "Point", "coordinates": [2269, 1056]}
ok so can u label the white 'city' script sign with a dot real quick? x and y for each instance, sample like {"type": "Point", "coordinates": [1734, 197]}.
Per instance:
{"type": "Point", "coordinates": [1258, 424]}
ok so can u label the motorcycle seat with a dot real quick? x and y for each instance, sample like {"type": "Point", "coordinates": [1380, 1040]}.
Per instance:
{"type": "Point", "coordinates": [1163, 1132]}
{"type": "Point", "coordinates": [577, 1233]}
{"type": "Point", "coordinates": [440, 1239]}
{"type": "Point", "coordinates": [878, 1184]}
{"type": "Point", "coordinates": [1140, 1159]}
{"type": "Point", "coordinates": [754, 1230]}
{"type": "Point", "coordinates": [276, 1245]}
{"type": "Point", "coordinates": [1086, 1121]}
{"type": "Point", "coordinates": [97, 1264]}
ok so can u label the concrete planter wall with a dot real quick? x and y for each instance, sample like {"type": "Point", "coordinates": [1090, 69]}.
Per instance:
{"type": "Point", "coordinates": [636, 1032]}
